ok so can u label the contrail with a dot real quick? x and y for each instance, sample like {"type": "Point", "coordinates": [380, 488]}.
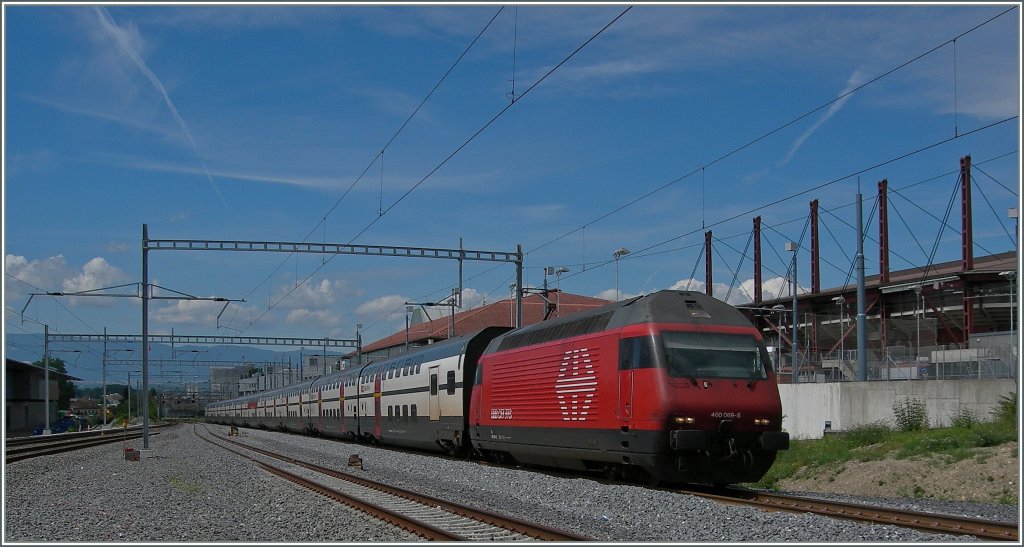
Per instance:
{"type": "Point", "coordinates": [108, 24]}
{"type": "Point", "coordinates": [855, 80]}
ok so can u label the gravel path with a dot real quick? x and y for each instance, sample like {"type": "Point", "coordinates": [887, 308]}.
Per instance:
{"type": "Point", "coordinates": [190, 491]}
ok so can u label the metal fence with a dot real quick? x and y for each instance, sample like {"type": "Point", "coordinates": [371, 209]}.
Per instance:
{"type": "Point", "coordinates": [989, 357]}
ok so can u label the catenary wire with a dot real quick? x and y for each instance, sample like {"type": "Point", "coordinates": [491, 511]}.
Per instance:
{"type": "Point", "coordinates": [446, 160]}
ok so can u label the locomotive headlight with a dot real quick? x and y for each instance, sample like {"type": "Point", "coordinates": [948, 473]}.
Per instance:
{"type": "Point", "coordinates": [684, 420]}
{"type": "Point", "coordinates": [760, 421]}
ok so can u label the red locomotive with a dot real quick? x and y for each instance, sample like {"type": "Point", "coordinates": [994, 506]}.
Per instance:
{"type": "Point", "coordinates": [673, 386]}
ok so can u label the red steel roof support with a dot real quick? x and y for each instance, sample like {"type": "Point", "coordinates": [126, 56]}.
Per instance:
{"type": "Point", "coordinates": [815, 262]}
{"type": "Point", "coordinates": [757, 259]}
{"type": "Point", "coordinates": [708, 289]}
{"type": "Point", "coordinates": [965, 205]}
{"type": "Point", "coordinates": [968, 244]}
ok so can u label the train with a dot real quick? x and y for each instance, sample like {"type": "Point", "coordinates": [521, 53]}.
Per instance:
{"type": "Point", "coordinates": [670, 387]}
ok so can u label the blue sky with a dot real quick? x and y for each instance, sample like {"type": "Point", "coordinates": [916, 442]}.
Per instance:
{"type": "Point", "coordinates": [253, 122]}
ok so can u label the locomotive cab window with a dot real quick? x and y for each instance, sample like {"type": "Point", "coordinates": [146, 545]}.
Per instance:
{"type": "Point", "coordinates": [636, 353]}
{"type": "Point", "coordinates": [713, 355]}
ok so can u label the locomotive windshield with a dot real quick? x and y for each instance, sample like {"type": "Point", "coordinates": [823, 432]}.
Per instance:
{"type": "Point", "coordinates": [713, 355]}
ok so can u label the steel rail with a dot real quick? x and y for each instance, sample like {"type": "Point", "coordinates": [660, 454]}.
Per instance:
{"type": "Point", "coordinates": [412, 525]}
{"type": "Point", "coordinates": [58, 437]}
{"type": "Point", "coordinates": [918, 520]}
{"type": "Point", "coordinates": [33, 451]}
{"type": "Point", "coordinates": [531, 530]}
{"type": "Point", "coordinates": [421, 529]}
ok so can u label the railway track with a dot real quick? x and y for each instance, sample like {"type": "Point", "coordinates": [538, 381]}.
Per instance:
{"type": "Point", "coordinates": [32, 447]}
{"type": "Point", "coordinates": [918, 520]}
{"type": "Point", "coordinates": [429, 517]}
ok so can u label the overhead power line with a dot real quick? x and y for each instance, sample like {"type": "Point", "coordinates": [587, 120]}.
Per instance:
{"type": "Point", "coordinates": [447, 159]}
{"type": "Point", "coordinates": [740, 148]}
{"type": "Point", "coordinates": [380, 154]}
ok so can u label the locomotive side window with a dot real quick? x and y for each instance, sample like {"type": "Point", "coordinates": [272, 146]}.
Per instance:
{"type": "Point", "coordinates": [636, 353]}
{"type": "Point", "coordinates": [712, 355]}
{"type": "Point", "coordinates": [451, 382]}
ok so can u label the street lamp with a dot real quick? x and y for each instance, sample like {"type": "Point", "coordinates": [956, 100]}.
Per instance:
{"type": "Point", "coordinates": [408, 311]}
{"type": "Point", "coordinates": [839, 300]}
{"type": "Point", "coordinates": [918, 313]}
{"type": "Point", "coordinates": [617, 255]}
{"type": "Point", "coordinates": [558, 287]}
{"type": "Point", "coordinates": [1012, 277]}
{"type": "Point", "coordinates": [781, 309]}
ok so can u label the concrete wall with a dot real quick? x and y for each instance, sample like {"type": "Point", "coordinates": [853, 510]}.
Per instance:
{"type": "Point", "coordinates": [806, 407]}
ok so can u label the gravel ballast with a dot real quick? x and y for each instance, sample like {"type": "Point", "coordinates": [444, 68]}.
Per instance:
{"type": "Point", "coordinates": [186, 490]}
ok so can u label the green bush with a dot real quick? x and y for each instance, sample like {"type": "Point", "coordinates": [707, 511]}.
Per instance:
{"type": "Point", "coordinates": [1007, 409]}
{"type": "Point", "coordinates": [867, 434]}
{"type": "Point", "coordinates": [910, 414]}
{"type": "Point", "coordinates": [965, 418]}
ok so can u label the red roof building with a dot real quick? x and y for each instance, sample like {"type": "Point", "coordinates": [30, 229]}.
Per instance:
{"type": "Point", "coordinates": [501, 313]}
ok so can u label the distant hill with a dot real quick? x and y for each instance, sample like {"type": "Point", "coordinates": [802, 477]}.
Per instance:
{"type": "Point", "coordinates": [87, 364]}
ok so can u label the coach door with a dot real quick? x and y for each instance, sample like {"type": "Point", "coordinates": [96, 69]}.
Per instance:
{"type": "Point", "coordinates": [376, 404]}
{"type": "Point", "coordinates": [435, 401]}
{"type": "Point", "coordinates": [625, 394]}
{"type": "Point", "coordinates": [634, 353]}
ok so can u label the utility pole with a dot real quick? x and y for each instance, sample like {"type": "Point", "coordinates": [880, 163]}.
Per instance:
{"type": "Point", "coordinates": [862, 321]}
{"type": "Point", "coordinates": [792, 246]}
{"type": "Point", "coordinates": [145, 335]}
{"type": "Point", "coordinates": [103, 403]}
{"type": "Point", "coordinates": [46, 377]}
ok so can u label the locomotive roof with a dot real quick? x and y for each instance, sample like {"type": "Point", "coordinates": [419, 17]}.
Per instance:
{"type": "Point", "coordinates": [667, 306]}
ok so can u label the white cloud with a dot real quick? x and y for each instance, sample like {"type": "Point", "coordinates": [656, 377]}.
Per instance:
{"type": "Point", "coordinates": [126, 42]}
{"type": "Point", "coordinates": [53, 274]}
{"type": "Point", "coordinates": [316, 318]}
{"type": "Point", "coordinates": [471, 298]}
{"type": "Point", "coordinates": [96, 274]}
{"type": "Point", "coordinates": [855, 79]}
{"type": "Point", "coordinates": [46, 274]}
{"type": "Point", "coordinates": [200, 313]}
{"type": "Point", "coordinates": [391, 305]}
{"type": "Point", "coordinates": [314, 295]}
{"type": "Point", "coordinates": [609, 294]}
{"type": "Point", "coordinates": [743, 293]}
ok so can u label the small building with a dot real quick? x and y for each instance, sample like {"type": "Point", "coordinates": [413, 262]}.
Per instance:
{"type": "Point", "coordinates": [85, 406]}
{"type": "Point", "coordinates": [25, 397]}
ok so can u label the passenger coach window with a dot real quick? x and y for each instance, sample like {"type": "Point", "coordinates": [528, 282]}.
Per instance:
{"type": "Point", "coordinates": [636, 353]}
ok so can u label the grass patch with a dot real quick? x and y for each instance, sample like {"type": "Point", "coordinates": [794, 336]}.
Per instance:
{"type": "Point", "coordinates": [877, 441]}
{"type": "Point", "coordinates": [185, 486]}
